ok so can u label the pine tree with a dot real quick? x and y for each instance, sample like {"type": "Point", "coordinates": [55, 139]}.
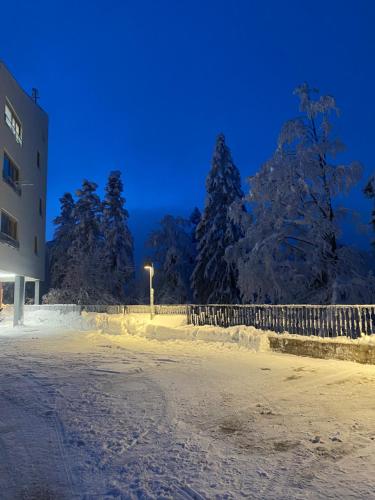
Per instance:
{"type": "Point", "coordinates": [214, 279]}
{"type": "Point", "coordinates": [369, 191]}
{"type": "Point", "coordinates": [173, 255]}
{"type": "Point", "coordinates": [118, 258]}
{"type": "Point", "coordinates": [59, 248]}
{"type": "Point", "coordinates": [291, 252]}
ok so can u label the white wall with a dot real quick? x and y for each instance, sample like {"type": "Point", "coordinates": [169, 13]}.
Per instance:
{"type": "Point", "coordinates": [24, 208]}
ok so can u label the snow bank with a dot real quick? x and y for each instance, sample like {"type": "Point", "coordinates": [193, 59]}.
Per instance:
{"type": "Point", "coordinates": [174, 327]}
{"type": "Point", "coordinates": [51, 318]}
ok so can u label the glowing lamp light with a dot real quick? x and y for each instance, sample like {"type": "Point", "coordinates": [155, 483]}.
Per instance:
{"type": "Point", "coordinates": [150, 268]}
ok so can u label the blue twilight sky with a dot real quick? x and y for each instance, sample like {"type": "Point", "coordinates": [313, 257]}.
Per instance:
{"type": "Point", "coordinates": [144, 86]}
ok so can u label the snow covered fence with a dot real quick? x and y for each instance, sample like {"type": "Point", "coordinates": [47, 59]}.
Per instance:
{"type": "Point", "coordinates": [323, 321]}
{"type": "Point", "coordinates": [159, 309]}
{"type": "Point", "coordinates": [60, 308]}
{"type": "Point", "coordinates": [136, 309]}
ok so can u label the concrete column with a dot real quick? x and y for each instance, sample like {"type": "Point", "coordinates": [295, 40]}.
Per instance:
{"type": "Point", "coordinates": [19, 300]}
{"type": "Point", "coordinates": [36, 293]}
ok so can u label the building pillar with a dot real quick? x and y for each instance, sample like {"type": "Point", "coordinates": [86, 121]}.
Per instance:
{"type": "Point", "coordinates": [19, 300]}
{"type": "Point", "coordinates": [36, 293]}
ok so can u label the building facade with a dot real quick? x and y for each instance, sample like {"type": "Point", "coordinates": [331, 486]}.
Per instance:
{"type": "Point", "coordinates": [23, 160]}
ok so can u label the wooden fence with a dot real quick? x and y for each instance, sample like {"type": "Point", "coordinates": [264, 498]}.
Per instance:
{"type": "Point", "coordinates": [324, 321]}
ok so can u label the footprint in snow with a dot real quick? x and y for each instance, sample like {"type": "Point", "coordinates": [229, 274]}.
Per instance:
{"type": "Point", "coordinates": [315, 440]}
{"type": "Point", "coordinates": [292, 377]}
{"type": "Point", "coordinates": [336, 437]}
{"type": "Point", "coordinates": [262, 473]}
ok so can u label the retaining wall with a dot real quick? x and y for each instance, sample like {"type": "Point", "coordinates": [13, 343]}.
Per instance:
{"type": "Point", "coordinates": [346, 351]}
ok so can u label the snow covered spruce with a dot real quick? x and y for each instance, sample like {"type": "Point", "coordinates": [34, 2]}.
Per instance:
{"type": "Point", "coordinates": [91, 255]}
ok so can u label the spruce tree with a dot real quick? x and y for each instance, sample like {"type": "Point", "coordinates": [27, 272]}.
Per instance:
{"type": "Point", "coordinates": [58, 253]}
{"type": "Point", "coordinates": [214, 280]}
{"type": "Point", "coordinates": [117, 249]}
{"type": "Point", "coordinates": [85, 281]}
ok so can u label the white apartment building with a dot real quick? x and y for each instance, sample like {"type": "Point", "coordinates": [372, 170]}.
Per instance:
{"type": "Point", "coordinates": [23, 161]}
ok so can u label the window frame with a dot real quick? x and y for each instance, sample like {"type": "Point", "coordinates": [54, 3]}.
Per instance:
{"type": "Point", "coordinates": [13, 122]}
{"type": "Point", "coordinates": [13, 183]}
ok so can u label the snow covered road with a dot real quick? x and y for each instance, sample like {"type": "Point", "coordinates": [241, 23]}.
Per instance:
{"type": "Point", "coordinates": [91, 415]}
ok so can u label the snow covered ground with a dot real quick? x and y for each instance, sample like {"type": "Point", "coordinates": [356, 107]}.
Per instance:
{"type": "Point", "coordinates": [87, 413]}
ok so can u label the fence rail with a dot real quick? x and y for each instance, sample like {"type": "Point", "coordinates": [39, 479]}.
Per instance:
{"type": "Point", "coordinates": [324, 321]}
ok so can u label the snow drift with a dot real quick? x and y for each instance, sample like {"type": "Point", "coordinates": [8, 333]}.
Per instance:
{"type": "Point", "coordinates": [175, 328]}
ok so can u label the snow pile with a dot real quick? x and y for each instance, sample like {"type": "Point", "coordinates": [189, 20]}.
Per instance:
{"type": "Point", "coordinates": [44, 317]}
{"type": "Point", "coordinates": [174, 327]}
{"type": "Point", "coordinates": [162, 327]}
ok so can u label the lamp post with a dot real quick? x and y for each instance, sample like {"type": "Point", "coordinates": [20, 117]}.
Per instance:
{"type": "Point", "coordinates": [150, 269]}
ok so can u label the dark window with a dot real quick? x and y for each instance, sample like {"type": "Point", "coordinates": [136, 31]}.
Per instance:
{"type": "Point", "coordinates": [9, 226]}
{"type": "Point", "coordinates": [38, 159]}
{"type": "Point", "coordinates": [36, 245]}
{"type": "Point", "coordinates": [11, 173]}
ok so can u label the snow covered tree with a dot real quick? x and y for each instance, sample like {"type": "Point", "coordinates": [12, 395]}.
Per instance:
{"type": "Point", "coordinates": [117, 248]}
{"type": "Point", "coordinates": [370, 193]}
{"type": "Point", "coordinates": [88, 214]}
{"type": "Point", "coordinates": [214, 279]}
{"type": "Point", "coordinates": [173, 255]}
{"type": "Point", "coordinates": [85, 281]}
{"type": "Point", "coordinates": [290, 252]}
{"type": "Point", "coordinates": [58, 253]}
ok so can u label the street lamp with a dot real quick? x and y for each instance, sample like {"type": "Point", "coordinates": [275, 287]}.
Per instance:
{"type": "Point", "coordinates": [150, 268]}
